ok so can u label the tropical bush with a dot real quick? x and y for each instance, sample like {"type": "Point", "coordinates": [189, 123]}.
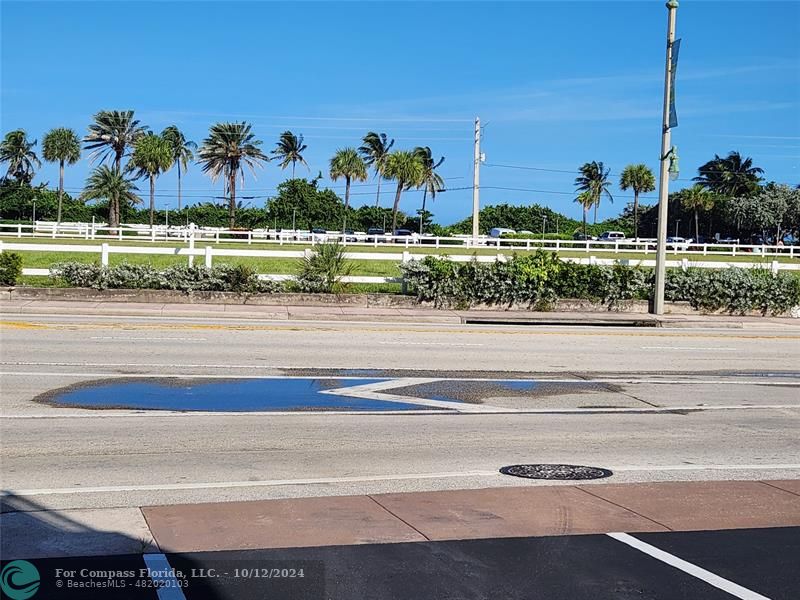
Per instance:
{"type": "Point", "coordinates": [538, 280]}
{"type": "Point", "coordinates": [322, 271]}
{"type": "Point", "coordinates": [10, 268]}
{"type": "Point", "coordinates": [184, 278]}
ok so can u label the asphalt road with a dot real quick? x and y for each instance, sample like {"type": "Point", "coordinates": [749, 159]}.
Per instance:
{"type": "Point", "coordinates": [664, 404]}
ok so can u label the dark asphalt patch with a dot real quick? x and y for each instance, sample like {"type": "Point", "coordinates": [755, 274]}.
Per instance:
{"type": "Point", "coordinates": [233, 395]}
{"type": "Point", "coordinates": [593, 567]}
{"type": "Point", "coordinates": [475, 392]}
{"type": "Point", "coordinates": [766, 561]}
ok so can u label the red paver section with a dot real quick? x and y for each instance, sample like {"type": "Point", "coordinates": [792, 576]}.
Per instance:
{"type": "Point", "coordinates": [693, 506]}
{"type": "Point", "coordinates": [275, 524]}
{"type": "Point", "coordinates": [790, 485]}
{"type": "Point", "coordinates": [511, 512]}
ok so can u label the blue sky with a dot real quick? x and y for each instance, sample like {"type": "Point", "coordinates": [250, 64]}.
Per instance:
{"type": "Point", "coordinates": [556, 83]}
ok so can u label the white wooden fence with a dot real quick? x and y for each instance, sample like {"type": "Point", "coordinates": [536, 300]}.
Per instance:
{"type": "Point", "coordinates": [208, 253]}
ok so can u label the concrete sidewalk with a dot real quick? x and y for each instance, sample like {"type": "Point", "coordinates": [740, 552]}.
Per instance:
{"type": "Point", "coordinates": [345, 312]}
{"type": "Point", "coordinates": [406, 517]}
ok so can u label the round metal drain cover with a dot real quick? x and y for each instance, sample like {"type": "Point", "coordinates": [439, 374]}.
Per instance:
{"type": "Point", "coordinates": [563, 472]}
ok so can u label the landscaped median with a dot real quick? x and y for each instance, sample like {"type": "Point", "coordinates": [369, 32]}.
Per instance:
{"type": "Point", "coordinates": [539, 281]}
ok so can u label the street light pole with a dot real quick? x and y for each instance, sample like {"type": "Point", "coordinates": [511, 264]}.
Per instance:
{"type": "Point", "coordinates": [476, 176]}
{"type": "Point", "coordinates": [663, 181]}
{"type": "Point", "coordinates": [678, 222]}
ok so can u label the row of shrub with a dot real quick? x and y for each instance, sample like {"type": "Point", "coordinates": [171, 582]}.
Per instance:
{"type": "Point", "coordinates": [540, 279]}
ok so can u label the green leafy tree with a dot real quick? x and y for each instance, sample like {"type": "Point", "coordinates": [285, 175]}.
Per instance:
{"type": "Point", "coordinates": [697, 199]}
{"type": "Point", "coordinates": [431, 183]}
{"type": "Point", "coordinates": [109, 183]}
{"type": "Point", "coordinates": [17, 152]}
{"type": "Point", "coordinates": [586, 200]}
{"type": "Point", "coordinates": [732, 176]}
{"type": "Point", "coordinates": [182, 152]}
{"type": "Point", "coordinates": [152, 156]}
{"type": "Point", "coordinates": [226, 151]}
{"type": "Point", "coordinates": [774, 207]}
{"type": "Point", "coordinates": [593, 180]}
{"type": "Point", "coordinates": [375, 150]}
{"type": "Point", "coordinates": [348, 164]}
{"type": "Point", "coordinates": [641, 180]}
{"type": "Point", "coordinates": [289, 150]}
{"type": "Point", "coordinates": [406, 169]}
{"type": "Point", "coordinates": [300, 202]}
{"type": "Point", "coordinates": [63, 146]}
{"type": "Point", "coordinates": [111, 134]}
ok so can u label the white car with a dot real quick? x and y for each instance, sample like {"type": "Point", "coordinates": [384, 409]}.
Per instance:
{"type": "Point", "coordinates": [497, 232]}
{"type": "Point", "coordinates": [611, 236]}
{"type": "Point", "coordinates": [678, 243]}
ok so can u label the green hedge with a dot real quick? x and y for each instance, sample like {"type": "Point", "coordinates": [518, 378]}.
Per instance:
{"type": "Point", "coordinates": [538, 280]}
{"type": "Point", "coordinates": [221, 278]}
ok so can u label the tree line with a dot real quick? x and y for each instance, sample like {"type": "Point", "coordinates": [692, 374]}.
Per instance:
{"type": "Point", "coordinates": [230, 150]}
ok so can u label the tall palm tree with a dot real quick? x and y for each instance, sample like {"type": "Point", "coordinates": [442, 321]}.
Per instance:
{"type": "Point", "coordinates": [375, 150]}
{"type": "Point", "coordinates": [109, 183]}
{"type": "Point", "coordinates": [17, 151]}
{"type": "Point", "coordinates": [152, 155]}
{"type": "Point", "coordinates": [61, 145]}
{"type": "Point", "coordinates": [182, 152]}
{"type": "Point", "coordinates": [641, 180]}
{"type": "Point", "coordinates": [697, 198]}
{"type": "Point", "coordinates": [432, 182]}
{"type": "Point", "coordinates": [406, 169]}
{"type": "Point", "coordinates": [289, 150]}
{"type": "Point", "coordinates": [731, 176]}
{"type": "Point", "coordinates": [594, 179]}
{"type": "Point", "coordinates": [586, 200]}
{"type": "Point", "coordinates": [112, 132]}
{"type": "Point", "coordinates": [348, 164]}
{"type": "Point", "coordinates": [228, 148]}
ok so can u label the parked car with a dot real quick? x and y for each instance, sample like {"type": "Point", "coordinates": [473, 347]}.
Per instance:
{"type": "Point", "coordinates": [611, 236]}
{"type": "Point", "coordinates": [580, 236]}
{"type": "Point", "coordinates": [678, 243]}
{"type": "Point", "coordinates": [497, 232]}
{"type": "Point", "coordinates": [403, 233]}
{"type": "Point", "coordinates": [376, 234]}
{"type": "Point", "coordinates": [349, 235]}
{"type": "Point", "coordinates": [319, 235]}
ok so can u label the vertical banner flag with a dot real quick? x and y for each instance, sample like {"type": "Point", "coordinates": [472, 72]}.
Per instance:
{"type": "Point", "coordinates": [673, 116]}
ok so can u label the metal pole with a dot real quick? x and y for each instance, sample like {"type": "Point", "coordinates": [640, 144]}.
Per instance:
{"type": "Point", "coordinates": [294, 217]}
{"type": "Point", "coordinates": [476, 176]}
{"type": "Point", "coordinates": [663, 181]}
{"type": "Point", "coordinates": [678, 222]}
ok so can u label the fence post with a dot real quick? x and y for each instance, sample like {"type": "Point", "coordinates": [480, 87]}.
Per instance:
{"type": "Point", "coordinates": [437, 241]}
{"type": "Point", "coordinates": [209, 252]}
{"type": "Point", "coordinates": [119, 233]}
{"type": "Point", "coordinates": [104, 254]}
{"type": "Point", "coordinates": [54, 230]}
{"type": "Point", "coordinates": [705, 249]}
{"type": "Point", "coordinates": [527, 244]}
{"type": "Point", "coordinates": [152, 233]}
{"type": "Point", "coordinates": [249, 237]}
{"type": "Point", "coordinates": [684, 264]}
{"type": "Point", "coordinates": [191, 249]}
{"type": "Point", "coordinates": [216, 241]}
{"type": "Point", "coordinates": [775, 267]}
{"type": "Point", "coordinates": [19, 230]}
{"type": "Point", "coordinates": [592, 260]}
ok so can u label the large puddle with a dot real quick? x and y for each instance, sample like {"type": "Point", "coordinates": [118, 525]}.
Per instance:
{"type": "Point", "coordinates": [233, 395]}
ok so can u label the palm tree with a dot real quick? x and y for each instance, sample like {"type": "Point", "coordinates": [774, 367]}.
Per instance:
{"type": "Point", "coordinates": [641, 180]}
{"type": "Point", "coordinates": [407, 170]}
{"type": "Point", "coordinates": [228, 148]}
{"type": "Point", "coordinates": [152, 155]}
{"type": "Point", "coordinates": [112, 132]}
{"type": "Point", "coordinates": [288, 150]}
{"type": "Point", "coordinates": [697, 198]}
{"type": "Point", "coordinates": [594, 179]}
{"type": "Point", "coordinates": [731, 176]}
{"type": "Point", "coordinates": [182, 153]}
{"type": "Point", "coordinates": [109, 183]}
{"type": "Point", "coordinates": [586, 200]}
{"type": "Point", "coordinates": [432, 182]}
{"type": "Point", "coordinates": [348, 164]}
{"type": "Point", "coordinates": [17, 151]}
{"type": "Point", "coordinates": [375, 151]}
{"type": "Point", "coordinates": [63, 146]}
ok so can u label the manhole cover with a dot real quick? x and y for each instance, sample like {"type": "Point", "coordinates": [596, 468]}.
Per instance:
{"type": "Point", "coordinates": [565, 472]}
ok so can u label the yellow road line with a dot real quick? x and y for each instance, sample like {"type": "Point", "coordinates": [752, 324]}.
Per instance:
{"type": "Point", "coordinates": [332, 328]}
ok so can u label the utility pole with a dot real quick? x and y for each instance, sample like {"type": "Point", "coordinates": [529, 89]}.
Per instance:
{"type": "Point", "coordinates": [476, 177]}
{"type": "Point", "coordinates": [663, 182]}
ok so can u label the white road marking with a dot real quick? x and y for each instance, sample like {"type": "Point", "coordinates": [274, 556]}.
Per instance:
{"type": "Point", "coordinates": [242, 484]}
{"type": "Point", "coordinates": [688, 348]}
{"type": "Point", "coordinates": [163, 576]}
{"type": "Point", "coordinates": [427, 344]}
{"type": "Point", "coordinates": [718, 582]}
{"type": "Point", "coordinates": [147, 339]}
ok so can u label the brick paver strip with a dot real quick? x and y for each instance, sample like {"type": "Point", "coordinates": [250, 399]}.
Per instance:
{"type": "Point", "coordinates": [790, 485]}
{"type": "Point", "coordinates": [511, 512]}
{"type": "Point", "coordinates": [299, 522]}
{"type": "Point", "coordinates": [690, 506]}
